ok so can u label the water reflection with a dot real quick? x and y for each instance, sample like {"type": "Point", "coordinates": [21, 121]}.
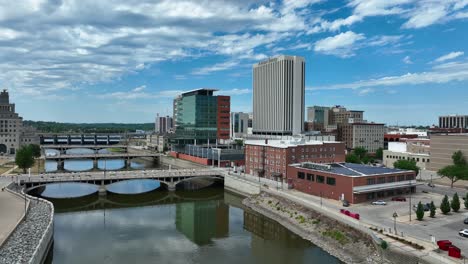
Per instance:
{"type": "Point", "coordinates": [68, 190]}
{"type": "Point", "coordinates": [202, 221]}
{"type": "Point", "coordinates": [133, 186]}
{"type": "Point", "coordinates": [173, 227]}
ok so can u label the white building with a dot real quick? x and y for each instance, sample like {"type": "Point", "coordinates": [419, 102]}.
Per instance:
{"type": "Point", "coordinates": [410, 150]}
{"type": "Point", "coordinates": [239, 125]}
{"type": "Point", "coordinates": [278, 96]}
{"type": "Point", "coordinates": [13, 134]}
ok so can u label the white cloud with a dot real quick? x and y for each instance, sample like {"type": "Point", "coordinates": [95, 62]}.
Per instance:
{"type": "Point", "coordinates": [449, 56]}
{"type": "Point", "coordinates": [340, 45]}
{"type": "Point", "coordinates": [444, 73]}
{"type": "Point", "coordinates": [87, 42]}
{"type": "Point", "coordinates": [365, 91]}
{"type": "Point", "coordinates": [139, 88]}
{"type": "Point", "coordinates": [407, 60]}
{"type": "Point", "coordinates": [215, 68]}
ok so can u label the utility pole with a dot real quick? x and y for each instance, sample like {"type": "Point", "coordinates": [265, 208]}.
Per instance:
{"type": "Point", "coordinates": [410, 200]}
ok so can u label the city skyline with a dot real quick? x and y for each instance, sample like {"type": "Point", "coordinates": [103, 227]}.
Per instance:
{"type": "Point", "coordinates": [387, 59]}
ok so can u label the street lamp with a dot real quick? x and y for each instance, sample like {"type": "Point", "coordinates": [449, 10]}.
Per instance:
{"type": "Point", "coordinates": [395, 215]}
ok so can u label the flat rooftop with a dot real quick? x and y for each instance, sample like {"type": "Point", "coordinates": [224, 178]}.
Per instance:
{"type": "Point", "coordinates": [286, 143]}
{"type": "Point", "coordinates": [348, 169]}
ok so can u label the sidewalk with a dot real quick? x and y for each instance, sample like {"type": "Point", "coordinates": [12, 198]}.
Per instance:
{"type": "Point", "coordinates": [11, 211]}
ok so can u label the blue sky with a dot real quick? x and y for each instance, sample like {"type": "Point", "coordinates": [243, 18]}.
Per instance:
{"type": "Point", "coordinates": [402, 61]}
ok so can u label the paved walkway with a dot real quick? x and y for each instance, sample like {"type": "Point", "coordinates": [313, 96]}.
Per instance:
{"type": "Point", "coordinates": [11, 211]}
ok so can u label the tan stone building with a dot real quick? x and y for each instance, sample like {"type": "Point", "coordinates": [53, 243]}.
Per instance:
{"type": "Point", "coordinates": [410, 150]}
{"type": "Point", "coordinates": [367, 135]}
{"type": "Point", "coordinates": [12, 132]}
{"type": "Point", "coordinates": [443, 146]}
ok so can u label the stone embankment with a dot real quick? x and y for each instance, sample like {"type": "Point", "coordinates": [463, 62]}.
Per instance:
{"type": "Point", "coordinates": [32, 238]}
{"type": "Point", "coordinates": [345, 243]}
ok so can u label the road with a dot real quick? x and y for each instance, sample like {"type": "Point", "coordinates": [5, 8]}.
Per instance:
{"type": "Point", "coordinates": [11, 210]}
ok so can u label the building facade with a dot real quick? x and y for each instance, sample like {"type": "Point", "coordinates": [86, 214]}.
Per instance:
{"type": "Point", "coordinates": [270, 158]}
{"type": "Point", "coordinates": [278, 96]}
{"type": "Point", "coordinates": [453, 121]}
{"type": "Point", "coordinates": [163, 124]}
{"type": "Point", "coordinates": [201, 116]}
{"type": "Point", "coordinates": [318, 115]}
{"type": "Point", "coordinates": [366, 135]}
{"type": "Point", "coordinates": [239, 125]}
{"type": "Point", "coordinates": [13, 134]}
{"type": "Point", "coordinates": [340, 115]}
{"type": "Point", "coordinates": [355, 183]}
{"type": "Point", "coordinates": [443, 146]}
{"type": "Point", "coordinates": [418, 151]}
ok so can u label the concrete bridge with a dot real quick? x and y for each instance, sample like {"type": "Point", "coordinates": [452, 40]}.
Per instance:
{"type": "Point", "coordinates": [63, 147]}
{"type": "Point", "coordinates": [169, 178]}
{"type": "Point", "coordinates": [80, 139]}
{"type": "Point", "coordinates": [127, 157]}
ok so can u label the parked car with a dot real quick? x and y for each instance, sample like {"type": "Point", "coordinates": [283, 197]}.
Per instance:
{"type": "Point", "coordinates": [379, 202]}
{"type": "Point", "coordinates": [399, 199]}
{"type": "Point", "coordinates": [346, 203]}
{"type": "Point", "coordinates": [463, 232]}
{"type": "Point", "coordinates": [466, 221]}
{"type": "Point", "coordinates": [426, 207]}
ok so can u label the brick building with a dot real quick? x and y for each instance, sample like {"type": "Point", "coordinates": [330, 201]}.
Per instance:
{"type": "Point", "coordinates": [270, 158]}
{"type": "Point", "coordinates": [366, 135]}
{"type": "Point", "coordinates": [355, 183]}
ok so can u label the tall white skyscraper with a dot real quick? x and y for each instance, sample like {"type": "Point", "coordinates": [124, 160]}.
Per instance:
{"type": "Point", "coordinates": [278, 96]}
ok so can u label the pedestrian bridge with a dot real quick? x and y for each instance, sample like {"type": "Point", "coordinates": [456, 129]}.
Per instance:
{"type": "Point", "coordinates": [169, 178]}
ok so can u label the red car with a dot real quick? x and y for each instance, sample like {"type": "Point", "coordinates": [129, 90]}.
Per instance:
{"type": "Point", "coordinates": [399, 199]}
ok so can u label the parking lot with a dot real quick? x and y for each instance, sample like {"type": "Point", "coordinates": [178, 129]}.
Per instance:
{"type": "Point", "coordinates": [441, 227]}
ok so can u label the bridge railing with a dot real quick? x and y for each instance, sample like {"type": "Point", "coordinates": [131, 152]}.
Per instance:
{"type": "Point", "coordinates": [65, 177]}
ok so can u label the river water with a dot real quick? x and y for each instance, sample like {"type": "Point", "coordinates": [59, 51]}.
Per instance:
{"type": "Point", "coordinates": [204, 226]}
{"type": "Point", "coordinates": [87, 164]}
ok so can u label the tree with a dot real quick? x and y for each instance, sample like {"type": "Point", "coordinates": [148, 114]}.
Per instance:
{"type": "Point", "coordinates": [458, 158]}
{"type": "Point", "coordinates": [455, 204]}
{"type": "Point", "coordinates": [353, 158]}
{"type": "Point", "coordinates": [379, 153]}
{"type": "Point", "coordinates": [457, 171]}
{"type": "Point", "coordinates": [420, 211]}
{"type": "Point", "coordinates": [360, 152]}
{"type": "Point", "coordinates": [445, 205]}
{"type": "Point", "coordinates": [24, 158]}
{"type": "Point", "coordinates": [239, 142]}
{"type": "Point", "coordinates": [406, 165]}
{"type": "Point", "coordinates": [36, 150]}
{"type": "Point", "coordinates": [433, 208]}
{"type": "Point", "coordinates": [466, 201]}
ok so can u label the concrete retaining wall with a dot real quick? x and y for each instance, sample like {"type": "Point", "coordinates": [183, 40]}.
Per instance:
{"type": "Point", "coordinates": [241, 186]}
{"type": "Point", "coordinates": [178, 163]}
{"type": "Point", "coordinates": [32, 238]}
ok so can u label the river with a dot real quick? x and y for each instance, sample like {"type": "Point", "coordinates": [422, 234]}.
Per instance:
{"type": "Point", "coordinates": [204, 226]}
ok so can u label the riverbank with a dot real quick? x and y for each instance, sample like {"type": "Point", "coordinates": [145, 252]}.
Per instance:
{"type": "Point", "coordinates": [33, 236]}
{"type": "Point", "coordinates": [339, 240]}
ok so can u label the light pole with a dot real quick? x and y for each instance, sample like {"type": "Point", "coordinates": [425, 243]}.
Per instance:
{"type": "Point", "coordinates": [320, 198]}
{"type": "Point", "coordinates": [410, 199]}
{"type": "Point", "coordinates": [395, 215]}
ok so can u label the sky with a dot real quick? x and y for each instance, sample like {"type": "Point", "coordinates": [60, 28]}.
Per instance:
{"type": "Point", "coordinates": [404, 62]}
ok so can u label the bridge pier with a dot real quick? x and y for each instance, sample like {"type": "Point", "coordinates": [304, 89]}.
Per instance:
{"type": "Point", "coordinates": [95, 163]}
{"type": "Point", "coordinates": [102, 189]}
{"type": "Point", "coordinates": [171, 187]}
{"type": "Point", "coordinates": [60, 165]}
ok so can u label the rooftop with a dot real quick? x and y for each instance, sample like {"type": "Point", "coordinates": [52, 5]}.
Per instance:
{"type": "Point", "coordinates": [203, 91]}
{"type": "Point", "coordinates": [348, 169]}
{"type": "Point", "coordinates": [286, 143]}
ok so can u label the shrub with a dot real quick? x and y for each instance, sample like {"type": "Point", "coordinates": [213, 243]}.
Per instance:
{"type": "Point", "coordinates": [455, 204]}
{"type": "Point", "coordinates": [433, 208]}
{"type": "Point", "coordinates": [384, 244]}
{"type": "Point", "coordinates": [420, 211]}
{"type": "Point", "coordinates": [445, 205]}
{"type": "Point", "coordinates": [466, 200]}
